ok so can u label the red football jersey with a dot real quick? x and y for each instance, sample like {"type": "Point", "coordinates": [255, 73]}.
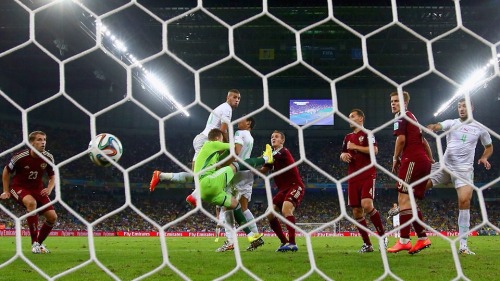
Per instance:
{"type": "Point", "coordinates": [29, 170]}
{"type": "Point", "coordinates": [282, 159]}
{"type": "Point", "coordinates": [359, 160]}
{"type": "Point", "coordinates": [414, 146]}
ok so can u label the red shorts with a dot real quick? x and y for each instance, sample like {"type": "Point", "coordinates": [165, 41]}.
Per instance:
{"type": "Point", "coordinates": [411, 171]}
{"type": "Point", "coordinates": [360, 189]}
{"type": "Point", "coordinates": [293, 194]}
{"type": "Point", "coordinates": [18, 193]}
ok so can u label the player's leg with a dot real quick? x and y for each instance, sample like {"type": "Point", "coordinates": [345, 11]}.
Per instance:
{"type": "Point", "coordinates": [354, 200]}
{"type": "Point", "coordinates": [29, 202]}
{"type": "Point", "coordinates": [158, 176]}
{"type": "Point", "coordinates": [359, 216]}
{"type": "Point", "coordinates": [50, 220]}
{"type": "Point", "coordinates": [405, 214]}
{"type": "Point", "coordinates": [287, 211]}
{"type": "Point", "coordinates": [420, 171]}
{"type": "Point", "coordinates": [274, 223]}
{"type": "Point", "coordinates": [464, 197]}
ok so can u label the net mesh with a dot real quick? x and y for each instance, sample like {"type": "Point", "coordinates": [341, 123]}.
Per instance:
{"type": "Point", "coordinates": [106, 47]}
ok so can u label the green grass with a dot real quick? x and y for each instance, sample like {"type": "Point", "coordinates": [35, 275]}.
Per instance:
{"type": "Point", "coordinates": [336, 257]}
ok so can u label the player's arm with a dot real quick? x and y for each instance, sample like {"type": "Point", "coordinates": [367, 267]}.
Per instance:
{"type": "Point", "coordinates": [6, 183]}
{"type": "Point", "coordinates": [362, 149]}
{"type": "Point", "coordinates": [488, 151]}
{"type": "Point", "coordinates": [428, 149]}
{"type": "Point", "coordinates": [435, 127]}
{"type": "Point", "coordinates": [224, 129]}
{"type": "Point", "coordinates": [398, 148]}
{"type": "Point", "coordinates": [51, 184]}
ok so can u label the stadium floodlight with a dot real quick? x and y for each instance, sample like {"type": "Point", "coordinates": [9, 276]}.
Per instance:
{"type": "Point", "coordinates": [475, 80]}
{"type": "Point", "coordinates": [162, 90]}
{"type": "Point", "coordinates": [154, 82]}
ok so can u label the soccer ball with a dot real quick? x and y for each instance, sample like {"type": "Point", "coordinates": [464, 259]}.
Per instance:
{"type": "Point", "coordinates": [109, 144]}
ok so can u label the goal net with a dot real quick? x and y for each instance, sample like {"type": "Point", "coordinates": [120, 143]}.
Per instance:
{"type": "Point", "coordinates": [150, 72]}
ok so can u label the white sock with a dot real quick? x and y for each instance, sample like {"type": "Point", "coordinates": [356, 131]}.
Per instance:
{"type": "Point", "coordinates": [404, 240]}
{"type": "Point", "coordinates": [229, 220]}
{"type": "Point", "coordinates": [181, 177]}
{"type": "Point", "coordinates": [250, 218]}
{"type": "Point", "coordinates": [463, 226]}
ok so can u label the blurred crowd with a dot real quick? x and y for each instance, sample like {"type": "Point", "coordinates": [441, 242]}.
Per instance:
{"type": "Point", "coordinates": [97, 193]}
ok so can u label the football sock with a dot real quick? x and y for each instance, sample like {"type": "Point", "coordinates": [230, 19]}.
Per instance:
{"type": "Point", "coordinates": [240, 218]}
{"type": "Point", "coordinates": [276, 227]}
{"type": "Point", "coordinates": [377, 221]}
{"type": "Point", "coordinates": [404, 216]}
{"type": "Point", "coordinates": [45, 231]}
{"type": "Point", "coordinates": [181, 177]}
{"type": "Point", "coordinates": [254, 162]}
{"type": "Point", "coordinates": [419, 229]}
{"type": "Point", "coordinates": [364, 234]}
{"type": "Point", "coordinates": [229, 225]}
{"type": "Point", "coordinates": [291, 230]}
{"type": "Point", "coordinates": [33, 227]}
{"type": "Point", "coordinates": [463, 226]}
{"type": "Point", "coordinates": [250, 218]}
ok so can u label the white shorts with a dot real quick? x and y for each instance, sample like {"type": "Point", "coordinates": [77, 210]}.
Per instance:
{"type": "Point", "coordinates": [395, 221]}
{"type": "Point", "coordinates": [458, 176]}
{"type": "Point", "coordinates": [198, 142]}
{"type": "Point", "coordinates": [242, 184]}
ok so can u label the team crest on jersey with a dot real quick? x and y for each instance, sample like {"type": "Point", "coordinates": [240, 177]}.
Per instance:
{"type": "Point", "coordinates": [396, 125]}
{"type": "Point", "coordinates": [43, 165]}
{"type": "Point", "coordinates": [361, 139]}
{"type": "Point", "coordinates": [27, 167]}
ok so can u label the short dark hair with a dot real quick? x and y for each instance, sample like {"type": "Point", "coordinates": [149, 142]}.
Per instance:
{"type": "Point", "coordinates": [32, 135]}
{"type": "Point", "coordinates": [359, 112]}
{"type": "Point", "coordinates": [281, 133]}
{"type": "Point", "coordinates": [463, 100]}
{"type": "Point", "coordinates": [252, 122]}
{"type": "Point", "coordinates": [406, 96]}
{"type": "Point", "coordinates": [214, 133]}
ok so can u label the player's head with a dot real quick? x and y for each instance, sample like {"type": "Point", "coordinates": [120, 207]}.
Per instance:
{"type": "Point", "coordinates": [358, 117]}
{"type": "Point", "coordinates": [215, 135]}
{"type": "Point", "coordinates": [38, 140]}
{"type": "Point", "coordinates": [462, 109]}
{"type": "Point", "coordinates": [246, 124]}
{"type": "Point", "coordinates": [395, 104]}
{"type": "Point", "coordinates": [277, 139]}
{"type": "Point", "coordinates": [233, 98]}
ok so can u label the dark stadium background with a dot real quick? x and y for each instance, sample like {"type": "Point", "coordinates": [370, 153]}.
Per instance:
{"type": "Point", "coordinates": [29, 76]}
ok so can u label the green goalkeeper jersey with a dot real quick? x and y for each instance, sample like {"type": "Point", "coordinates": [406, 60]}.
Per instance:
{"type": "Point", "coordinates": [208, 156]}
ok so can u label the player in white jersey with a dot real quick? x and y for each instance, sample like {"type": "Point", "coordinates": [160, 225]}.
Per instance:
{"type": "Point", "coordinates": [458, 158]}
{"type": "Point", "coordinates": [242, 182]}
{"type": "Point", "coordinates": [394, 214]}
{"type": "Point", "coordinates": [219, 118]}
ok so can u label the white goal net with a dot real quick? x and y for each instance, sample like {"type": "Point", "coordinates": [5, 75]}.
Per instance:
{"type": "Point", "coordinates": [151, 71]}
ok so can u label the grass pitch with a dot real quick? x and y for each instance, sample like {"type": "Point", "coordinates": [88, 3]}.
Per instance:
{"type": "Point", "coordinates": [129, 258]}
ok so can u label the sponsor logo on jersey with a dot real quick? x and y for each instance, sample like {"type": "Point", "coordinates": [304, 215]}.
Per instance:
{"type": "Point", "coordinates": [43, 165]}
{"type": "Point", "coordinates": [361, 139]}
{"type": "Point", "coordinates": [396, 125]}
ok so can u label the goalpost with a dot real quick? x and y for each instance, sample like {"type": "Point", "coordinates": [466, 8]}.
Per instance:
{"type": "Point", "coordinates": [134, 69]}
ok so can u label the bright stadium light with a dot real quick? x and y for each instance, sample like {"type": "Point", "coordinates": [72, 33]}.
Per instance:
{"type": "Point", "coordinates": [156, 85]}
{"type": "Point", "coordinates": [474, 81]}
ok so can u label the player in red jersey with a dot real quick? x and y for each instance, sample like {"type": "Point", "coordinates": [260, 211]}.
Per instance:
{"type": "Point", "coordinates": [290, 191]}
{"type": "Point", "coordinates": [28, 188]}
{"type": "Point", "coordinates": [361, 188]}
{"type": "Point", "coordinates": [412, 162]}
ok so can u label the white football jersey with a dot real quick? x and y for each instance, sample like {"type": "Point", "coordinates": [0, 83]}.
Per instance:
{"type": "Point", "coordinates": [221, 114]}
{"type": "Point", "coordinates": [461, 142]}
{"type": "Point", "coordinates": [245, 139]}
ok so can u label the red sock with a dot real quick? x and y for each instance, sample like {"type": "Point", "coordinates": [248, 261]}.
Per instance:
{"type": "Point", "coordinates": [404, 216]}
{"type": "Point", "coordinates": [44, 232]}
{"type": "Point", "coordinates": [364, 234]}
{"type": "Point", "coordinates": [33, 227]}
{"type": "Point", "coordinates": [276, 227]}
{"type": "Point", "coordinates": [377, 221]}
{"type": "Point", "coordinates": [419, 229]}
{"type": "Point", "coordinates": [291, 230]}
